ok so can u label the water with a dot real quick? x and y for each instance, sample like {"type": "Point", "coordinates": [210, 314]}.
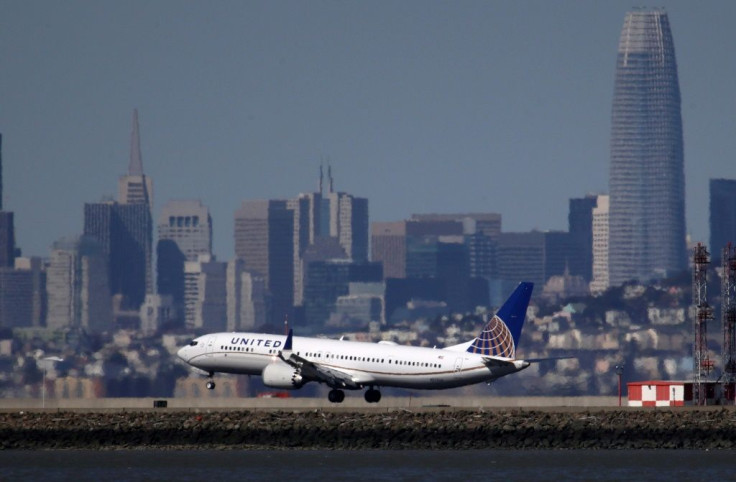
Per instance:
{"type": "Point", "coordinates": [191, 465]}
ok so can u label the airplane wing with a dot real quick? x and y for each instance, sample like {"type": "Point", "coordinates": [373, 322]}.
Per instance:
{"type": "Point", "coordinates": [492, 362]}
{"type": "Point", "coordinates": [501, 362]}
{"type": "Point", "coordinates": [552, 358]}
{"type": "Point", "coordinates": [317, 372]}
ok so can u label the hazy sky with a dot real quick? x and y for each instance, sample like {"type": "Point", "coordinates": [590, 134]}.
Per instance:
{"type": "Point", "coordinates": [421, 106]}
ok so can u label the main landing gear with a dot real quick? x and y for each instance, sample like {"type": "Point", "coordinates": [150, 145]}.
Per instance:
{"type": "Point", "coordinates": [336, 396]}
{"type": "Point", "coordinates": [210, 383]}
{"type": "Point", "coordinates": [372, 395]}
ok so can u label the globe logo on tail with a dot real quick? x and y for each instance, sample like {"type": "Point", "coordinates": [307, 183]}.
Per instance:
{"type": "Point", "coordinates": [494, 340]}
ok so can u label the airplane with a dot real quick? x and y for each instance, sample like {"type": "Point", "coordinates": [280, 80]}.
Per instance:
{"type": "Point", "coordinates": [290, 362]}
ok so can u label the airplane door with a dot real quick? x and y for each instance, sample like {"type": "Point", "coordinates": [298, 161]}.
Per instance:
{"type": "Point", "coordinates": [210, 345]}
{"type": "Point", "coordinates": [458, 364]}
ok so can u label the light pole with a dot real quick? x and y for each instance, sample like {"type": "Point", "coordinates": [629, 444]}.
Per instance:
{"type": "Point", "coordinates": [619, 372]}
{"type": "Point", "coordinates": [47, 360]}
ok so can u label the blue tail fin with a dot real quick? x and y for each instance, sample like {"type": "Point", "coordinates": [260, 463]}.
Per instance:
{"type": "Point", "coordinates": [501, 334]}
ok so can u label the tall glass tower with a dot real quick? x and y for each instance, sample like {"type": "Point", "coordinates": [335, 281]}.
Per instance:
{"type": "Point", "coordinates": [647, 179]}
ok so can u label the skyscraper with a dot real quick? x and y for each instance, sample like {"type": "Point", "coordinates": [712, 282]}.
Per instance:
{"type": "Point", "coordinates": [125, 230]}
{"type": "Point", "coordinates": [78, 293]}
{"type": "Point", "coordinates": [7, 231]}
{"type": "Point", "coordinates": [647, 179]}
{"type": "Point", "coordinates": [184, 233]}
{"type": "Point", "coordinates": [722, 216]}
{"type": "Point", "coordinates": [1, 172]}
{"type": "Point", "coordinates": [580, 226]}
{"type": "Point", "coordinates": [136, 187]}
{"type": "Point", "coordinates": [264, 240]}
{"type": "Point", "coordinates": [600, 245]}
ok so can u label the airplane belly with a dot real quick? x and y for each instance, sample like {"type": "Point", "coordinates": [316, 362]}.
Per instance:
{"type": "Point", "coordinates": [435, 381]}
{"type": "Point", "coordinates": [237, 364]}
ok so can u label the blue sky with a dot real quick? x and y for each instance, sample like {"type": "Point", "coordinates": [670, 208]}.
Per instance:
{"type": "Point", "coordinates": [420, 106]}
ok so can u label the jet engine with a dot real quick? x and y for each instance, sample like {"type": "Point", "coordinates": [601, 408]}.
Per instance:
{"type": "Point", "coordinates": [281, 375]}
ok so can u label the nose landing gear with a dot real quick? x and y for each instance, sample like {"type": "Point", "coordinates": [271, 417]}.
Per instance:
{"type": "Point", "coordinates": [210, 383]}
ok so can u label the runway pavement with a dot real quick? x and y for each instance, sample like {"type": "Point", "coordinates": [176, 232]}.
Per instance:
{"type": "Point", "coordinates": [351, 403]}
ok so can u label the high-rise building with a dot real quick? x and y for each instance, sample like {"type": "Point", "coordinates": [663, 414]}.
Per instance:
{"type": "Point", "coordinates": [7, 230]}
{"type": "Point", "coordinates": [136, 187]}
{"type": "Point", "coordinates": [388, 246]}
{"type": "Point", "coordinates": [349, 224]}
{"type": "Point", "coordinates": [7, 239]}
{"type": "Point", "coordinates": [124, 231]}
{"type": "Point", "coordinates": [488, 224]}
{"type": "Point", "coordinates": [326, 281]}
{"type": "Point", "coordinates": [77, 289]}
{"type": "Point", "coordinates": [1, 172]}
{"type": "Point", "coordinates": [408, 249]}
{"type": "Point", "coordinates": [23, 294]}
{"type": "Point", "coordinates": [264, 240]}
{"type": "Point", "coordinates": [307, 209]}
{"type": "Point", "coordinates": [184, 233]}
{"type": "Point", "coordinates": [580, 222]}
{"type": "Point", "coordinates": [722, 216]}
{"type": "Point", "coordinates": [206, 294]}
{"type": "Point", "coordinates": [246, 298]}
{"type": "Point", "coordinates": [647, 180]}
{"type": "Point", "coordinates": [600, 281]}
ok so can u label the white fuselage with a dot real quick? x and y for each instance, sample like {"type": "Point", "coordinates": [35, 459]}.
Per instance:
{"type": "Point", "coordinates": [369, 364]}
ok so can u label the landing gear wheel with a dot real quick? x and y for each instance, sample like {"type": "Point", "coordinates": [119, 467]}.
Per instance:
{"type": "Point", "coordinates": [372, 396]}
{"type": "Point", "coordinates": [210, 385]}
{"type": "Point", "coordinates": [336, 396]}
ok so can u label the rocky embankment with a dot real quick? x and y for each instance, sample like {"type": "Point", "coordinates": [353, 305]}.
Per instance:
{"type": "Point", "coordinates": [502, 429]}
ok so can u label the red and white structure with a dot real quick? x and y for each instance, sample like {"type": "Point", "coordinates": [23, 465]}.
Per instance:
{"type": "Point", "coordinates": [668, 393]}
{"type": "Point", "coordinates": [660, 393]}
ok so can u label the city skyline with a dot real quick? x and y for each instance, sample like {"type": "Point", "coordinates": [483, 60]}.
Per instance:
{"type": "Point", "coordinates": [418, 107]}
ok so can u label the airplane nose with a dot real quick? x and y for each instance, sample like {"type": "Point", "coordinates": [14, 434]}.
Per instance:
{"type": "Point", "coordinates": [182, 353]}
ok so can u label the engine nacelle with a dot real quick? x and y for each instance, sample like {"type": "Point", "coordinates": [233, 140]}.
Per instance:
{"type": "Point", "coordinates": [281, 375]}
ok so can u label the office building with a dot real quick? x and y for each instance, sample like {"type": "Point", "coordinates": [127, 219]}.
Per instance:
{"type": "Point", "coordinates": [328, 280]}
{"type": "Point", "coordinates": [77, 286]}
{"type": "Point", "coordinates": [135, 187]}
{"type": "Point", "coordinates": [124, 231]}
{"type": "Point", "coordinates": [184, 234]}
{"type": "Point", "coordinates": [246, 298]}
{"type": "Point", "coordinates": [7, 229]}
{"type": "Point", "coordinates": [580, 227]}
{"type": "Point", "coordinates": [647, 179]}
{"type": "Point", "coordinates": [23, 294]}
{"type": "Point", "coordinates": [722, 216]}
{"type": "Point", "coordinates": [264, 241]}
{"type": "Point", "coordinates": [600, 281]}
{"type": "Point", "coordinates": [349, 224]}
{"type": "Point", "coordinates": [205, 296]}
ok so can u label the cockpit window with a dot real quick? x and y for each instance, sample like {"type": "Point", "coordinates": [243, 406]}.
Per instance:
{"type": "Point", "coordinates": [193, 343]}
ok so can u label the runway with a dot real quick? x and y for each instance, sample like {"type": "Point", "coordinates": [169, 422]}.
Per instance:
{"type": "Point", "coordinates": [351, 403]}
